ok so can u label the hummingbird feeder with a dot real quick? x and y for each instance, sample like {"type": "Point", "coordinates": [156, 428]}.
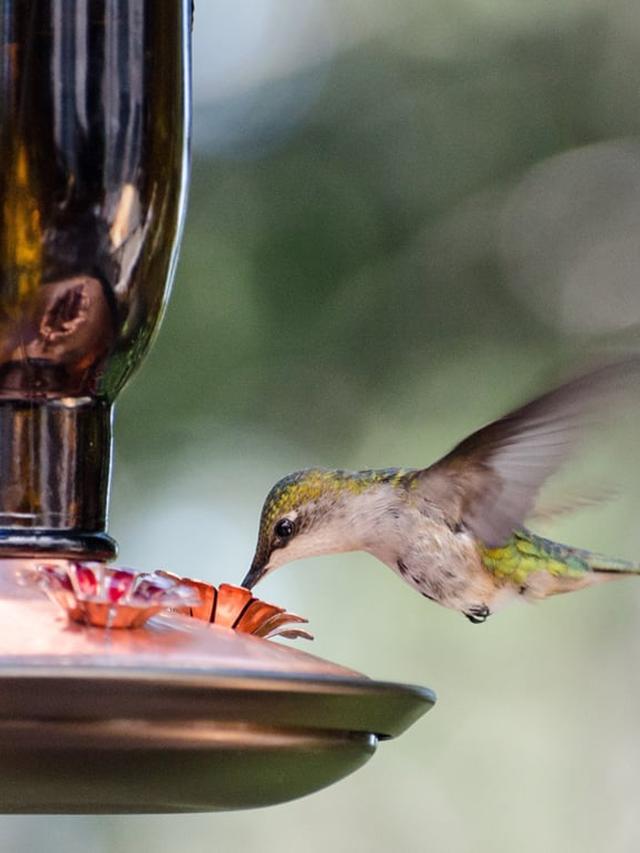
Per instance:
{"type": "Point", "coordinates": [121, 691]}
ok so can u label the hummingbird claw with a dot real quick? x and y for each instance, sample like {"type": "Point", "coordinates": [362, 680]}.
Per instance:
{"type": "Point", "coordinates": [478, 614]}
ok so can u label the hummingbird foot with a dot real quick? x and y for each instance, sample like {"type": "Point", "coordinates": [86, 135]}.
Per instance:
{"type": "Point", "coordinates": [478, 614]}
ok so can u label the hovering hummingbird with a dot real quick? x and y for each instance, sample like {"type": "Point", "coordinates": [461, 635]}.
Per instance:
{"type": "Point", "coordinates": [455, 531]}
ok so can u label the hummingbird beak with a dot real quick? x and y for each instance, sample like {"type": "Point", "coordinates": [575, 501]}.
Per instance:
{"type": "Point", "coordinates": [257, 570]}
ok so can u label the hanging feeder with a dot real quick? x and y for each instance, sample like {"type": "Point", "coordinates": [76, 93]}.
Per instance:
{"type": "Point", "coordinates": [121, 692]}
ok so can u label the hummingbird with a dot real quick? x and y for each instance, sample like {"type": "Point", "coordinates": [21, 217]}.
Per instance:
{"type": "Point", "coordinates": [454, 531]}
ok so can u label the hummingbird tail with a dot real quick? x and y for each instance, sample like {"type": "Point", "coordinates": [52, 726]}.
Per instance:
{"type": "Point", "coordinates": [615, 567]}
{"type": "Point", "coordinates": [577, 561]}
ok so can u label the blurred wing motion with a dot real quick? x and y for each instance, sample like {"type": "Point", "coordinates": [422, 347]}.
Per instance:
{"type": "Point", "coordinates": [489, 482]}
{"type": "Point", "coordinates": [570, 504]}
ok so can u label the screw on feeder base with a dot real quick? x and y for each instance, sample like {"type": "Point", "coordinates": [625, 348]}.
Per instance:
{"type": "Point", "coordinates": [54, 478]}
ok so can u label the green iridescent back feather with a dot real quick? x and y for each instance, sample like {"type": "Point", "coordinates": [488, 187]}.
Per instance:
{"type": "Point", "coordinates": [525, 553]}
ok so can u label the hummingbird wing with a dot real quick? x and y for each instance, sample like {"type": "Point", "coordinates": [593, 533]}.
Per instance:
{"type": "Point", "coordinates": [569, 504]}
{"type": "Point", "coordinates": [489, 482]}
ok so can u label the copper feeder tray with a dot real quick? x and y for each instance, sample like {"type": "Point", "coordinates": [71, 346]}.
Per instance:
{"type": "Point", "coordinates": [178, 716]}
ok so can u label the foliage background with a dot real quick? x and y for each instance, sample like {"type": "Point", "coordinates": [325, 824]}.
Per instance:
{"type": "Point", "coordinates": [404, 218]}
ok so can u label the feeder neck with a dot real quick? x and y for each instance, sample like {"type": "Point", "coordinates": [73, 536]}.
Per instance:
{"type": "Point", "coordinates": [54, 477]}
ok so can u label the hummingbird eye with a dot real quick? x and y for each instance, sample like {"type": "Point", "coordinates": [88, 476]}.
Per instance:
{"type": "Point", "coordinates": [284, 528]}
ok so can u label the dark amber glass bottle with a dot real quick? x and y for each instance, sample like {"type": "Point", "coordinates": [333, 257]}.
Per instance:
{"type": "Point", "coordinates": [93, 167]}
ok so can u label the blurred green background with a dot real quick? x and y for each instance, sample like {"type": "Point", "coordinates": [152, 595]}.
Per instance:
{"type": "Point", "coordinates": [404, 218]}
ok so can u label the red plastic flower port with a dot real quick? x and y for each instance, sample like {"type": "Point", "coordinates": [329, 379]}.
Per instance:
{"type": "Point", "coordinates": [235, 607]}
{"type": "Point", "coordinates": [110, 597]}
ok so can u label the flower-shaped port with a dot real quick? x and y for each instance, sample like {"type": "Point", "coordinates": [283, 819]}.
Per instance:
{"type": "Point", "coordinates": [109, 597]}
{"type": "Point", "coordinates": [235, 607]}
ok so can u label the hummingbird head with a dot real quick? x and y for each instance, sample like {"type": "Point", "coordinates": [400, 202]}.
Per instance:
{"type": "Point", "coordinates": [319, 511]}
